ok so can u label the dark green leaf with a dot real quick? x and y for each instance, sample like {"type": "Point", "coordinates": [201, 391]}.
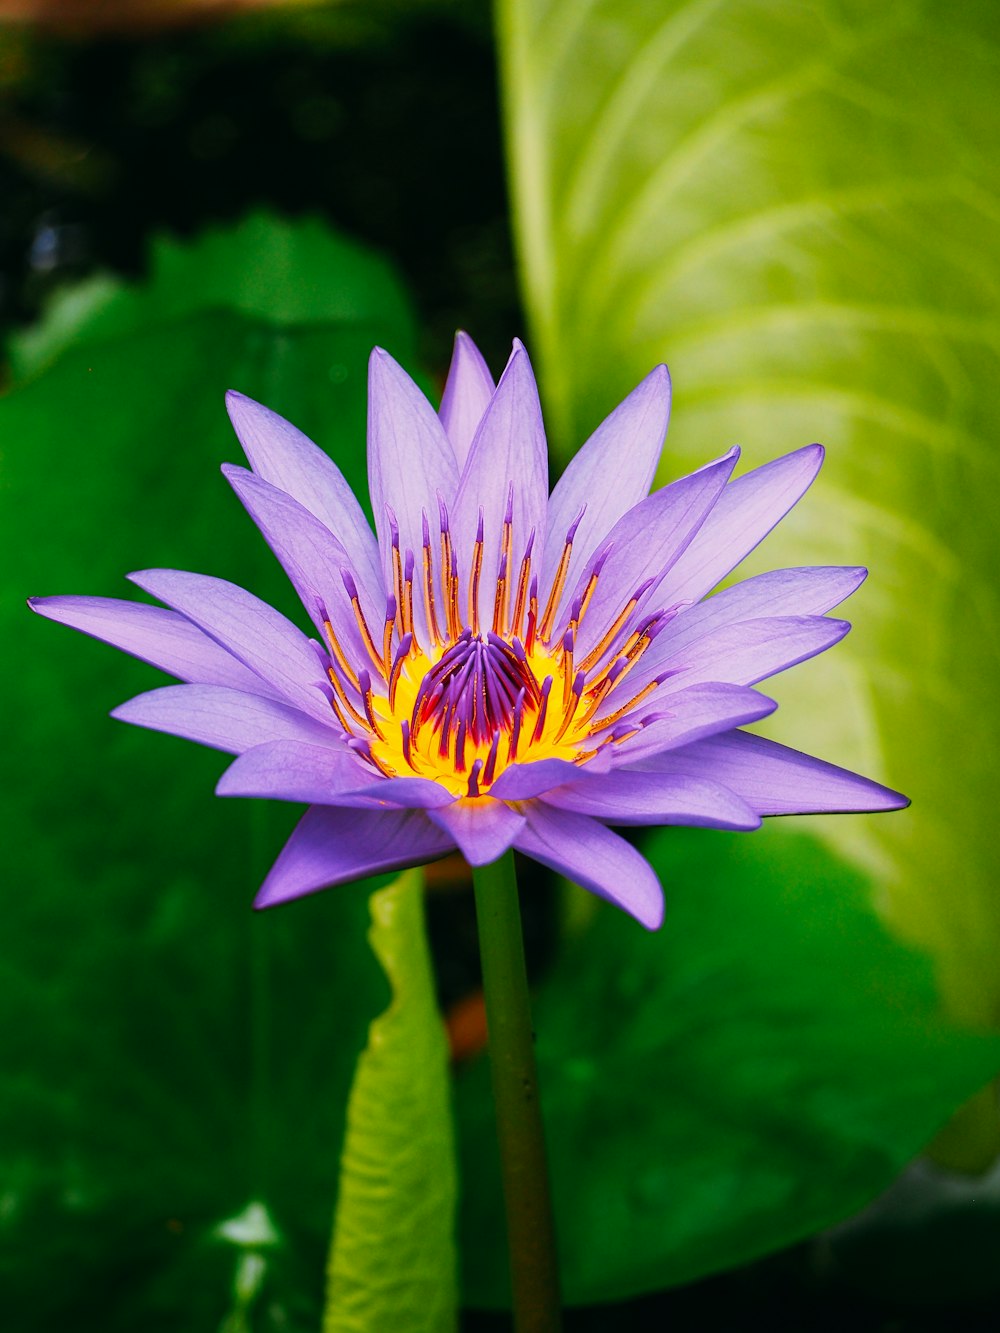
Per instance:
{"type": "Point", "coordinates": [754, 1072]}
{"type": "Point", "coordinates": [166, 1057]}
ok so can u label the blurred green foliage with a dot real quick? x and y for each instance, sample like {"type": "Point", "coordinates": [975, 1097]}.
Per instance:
{"type": "Point", "coordinates": [753, 1073]}
{"type": "Point", "coordinates": [795, 206]}
{"type": "Point", "coordinates": [166, 1056]}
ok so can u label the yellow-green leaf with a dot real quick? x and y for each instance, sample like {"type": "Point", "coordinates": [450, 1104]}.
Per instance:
{"type": "Point", "coordinates": [393, 1262]}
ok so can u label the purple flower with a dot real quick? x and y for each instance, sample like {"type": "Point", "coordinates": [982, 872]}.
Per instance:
{"type": "Point", "coordinates": [496, 667]}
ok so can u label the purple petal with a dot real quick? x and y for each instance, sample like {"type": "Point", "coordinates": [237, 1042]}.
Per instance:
{"type": "Point", "coordinates": [520, 782]}
{"type": "Point", "coordinates": [155, 635]}
{"type": "Point", "coordinates": [595, 858]}
{"type": "Point", "coordinates": [782, 592]}
{"type": "Point", "coordinates": [222, 718]}
{"type": "Point", "coordinates": [408, 793]}
{"type": "Point", "coordinates": [774, 779]}
{"type": "Point", "coordinates": [286, 458]}
{"type": "Point", "coordinates": [411, 464]}
{"type": "Point", "coordinates": [467, 393]}
{"type": "Point", "coordinates": [608, 476]}
{"type": "Point", "coordinates": [808, 591]}
{"type": "Point", "coordinates": [656, 798]}
{"type": "Point", "coordinates": [482, 829]}
{"type": "Point", "coordinates": [746, 512]}
{"type": "Point", "coordinates": [699, 711]}
{"type": "Point", "coordinates": [645, 543]}
{"type": "Point", "coordinates": [744, 653]}
{"type": "Point", "coordinates": [313, 559]}
{"type": "Point", "coordinates": [248, 628]}
{"type": "Point", "coordinates": [288, 770]}
{"type": "Point", "coordinates": [332, 846]}
{"type": "Point", "coordinates": [508, 450]}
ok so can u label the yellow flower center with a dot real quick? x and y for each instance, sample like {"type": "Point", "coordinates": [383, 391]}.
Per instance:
{"type": "Point", "coordinates": [477, 699]}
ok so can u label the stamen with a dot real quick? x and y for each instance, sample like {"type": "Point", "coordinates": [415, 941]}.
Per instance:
{"type": "Point", "coordinates": [567, 661]}
{"type": "Point", "coordinates": [404, 731]}
{"type": "Point", "coordinates": [599, 694]}
{"type": "Point", "coordinates": [477, 768]}
{"type": "Point", "coordinates": [337, 709]}
{"type": "Point", "coordinates": [570, 705]}
{"type": "Point", "coordinates": [522, 585]}
{"type": "Point", "coordinates": [589, 590]}
{"type": "Point", "coordinates": [500, 602]}
{"type": "Point", "coordinates": [402, 653]}
{"type": "Point", "coordinates": [477, 569]}
{"type": "Point", "coordinates": [635, 646]}
{"type": "Point", "coordinates": [542, 707]}
{"type": "Point", "coordinates": [529, 639]}
{"type": "Point", "coordinates": [449, 578]}
{"type": "Point", "coordinates": [559, 582]}
{"type": "Point", "coordinates": [491, 760]}
{"type": "Point", "coordinates": [338, 654]}
{"type": "Point", "coordinates": [597, 652]}
{"type": "Point", "coordinates": [644, 693]}
{"type": "Point", "coordinates": [341, 694]}
{"type": "Point", "coordinates": [515, 731]}
{"type": "Point", "coordinates": [397, 564]}
{"type": "Point", "coordinates": [390, 621]}
{"type": "Point", "coordinates": [365, 682]}
{"type": "Point", "coordinates": [365, 751]}
{"type": "Point", "coordinates": [432, 624]}
{"type": "Point", "coordinates": [359, 616]}
{"type": "Point", "coordinates": [407, 608]}
{"type": "Point", "coordinates": [460, 748]}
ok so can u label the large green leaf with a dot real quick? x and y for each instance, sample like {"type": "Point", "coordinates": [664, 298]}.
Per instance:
{"type": "Point", "coordinates": [796, 207]}
{"type": "Point", "coordinates": [393, 1262]}
{"type": "Point", "coordinates": [286, 274]}
{"type": "Point", "coordinates": [166, 1057]}
{"type": "Point", "coordinates": [752, 1073]}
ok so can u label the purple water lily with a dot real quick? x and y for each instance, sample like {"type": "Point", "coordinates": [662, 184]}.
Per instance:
{"type": "Point", "coordinates": [496, 666]}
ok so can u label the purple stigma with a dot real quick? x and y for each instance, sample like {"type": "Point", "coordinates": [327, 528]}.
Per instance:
{"type": "Point", "coordinates": [571, 534]}
{"type": "Point", "coordinates": [478, 686]}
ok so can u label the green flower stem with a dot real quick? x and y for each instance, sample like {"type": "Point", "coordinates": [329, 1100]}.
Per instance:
{"type": "Point", "coordinates": [530, 1231]}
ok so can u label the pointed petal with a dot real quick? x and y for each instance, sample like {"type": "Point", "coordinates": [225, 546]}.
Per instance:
{"type": "Point", "coordinates": [408, 793]}
{"type": "Point", "coordinates": [699, 711]}
{"type": "Point", "coordinates": [332, 846]}
{"type": "Point", "coordinates": [283, 456]}
{"type": "Point", "coordinates": [155, 635]}
{"type": "Point", "coordinates": [467, 393]}
{"type": "Point", "coordinates": [410, 461]}
{"type": "Point", "coordinates": [248, 628]}
{"type": "Point", "coordinates": [744, 653]}
{"type": "Point", "coordinates": [221, 718]}
{"type": "Point", "coordinates": [776, 780]}
{"type": "Point", "coordinates": [313, 559]}
{"type": "Point", "coordinates": [656, 798]}
{"type": "Point", "coordinates": [520, 782]}
{"type": "Point", "coordinates": [807, 591]}
{"type": "Point", "coordinates": [746, 512]}
{"type": "Point", "coordinates": [595, 858]}
{"type": "Point", "coordinates": [782, 592]}
{"type": "Point", "coordinates": [289, 770]}
{"type": "Point", "coordinates": [482, 829]}
{"type": "Point", "coordinates": [508, 451]}
{"type": "Point", "coordinates": [316, 775]}
{"type": "Point", "coordinates": [608, 476]}
{"type": "Point", "coordinates": [647, 541]}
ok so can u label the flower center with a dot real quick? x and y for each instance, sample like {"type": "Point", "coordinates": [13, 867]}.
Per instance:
{"type": "Point", "coordinates": [459, 702]}
{"type": "Point", "coordinates": [475, 690]}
